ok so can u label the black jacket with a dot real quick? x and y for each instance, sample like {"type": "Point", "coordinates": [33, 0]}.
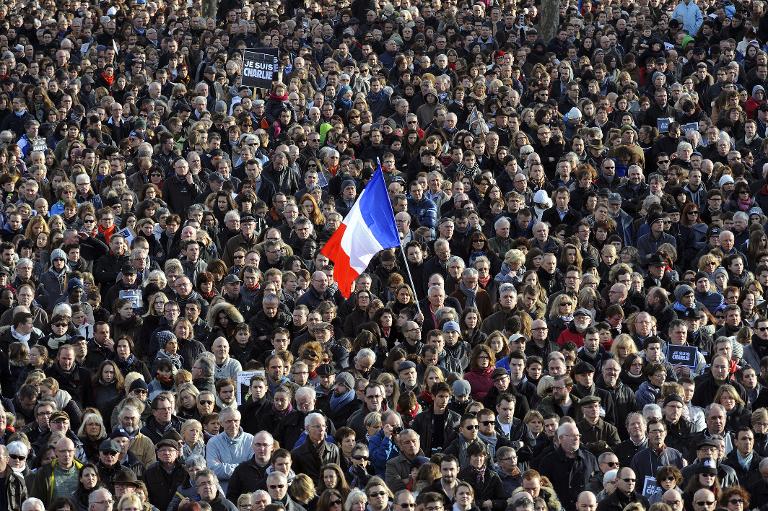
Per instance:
{"type": "Point", "coordinates": [569, 476]}
{"type": "Point", "coordinates": [490, 488]}
{"type": "Point", "coordinates": [309, 460]}
{"type": "Point", "coordinates": [245, 479]}
{"type": "Point", "coordinates": [617, 501]}
{"type": "Point", "coordinates": [162, 484]}
{"type": "Point", "coordinates": [423, 425]}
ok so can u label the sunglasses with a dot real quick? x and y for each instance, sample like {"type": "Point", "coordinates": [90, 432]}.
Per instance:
{"type": "Point", "coordinates": [335, 502]}
{"type": "Point", "coordinates": [360, 457]}
{"type": "Point", "coordinates": [276, 486]}
{"type": "Point", "coordinates": [736, 501]}
{"type": "Point", "coordinates": [471, 427]}
{"type": "Point", "coordinates": [17, 457]}
{"type": "Point", "coordinates": [705, 503]}
{"type": "Point", "coordinates": [377, 494]}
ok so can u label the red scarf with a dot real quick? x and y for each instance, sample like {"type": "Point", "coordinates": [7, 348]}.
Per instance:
{"type": "Point", "coordinates": [107, 232]}
{"type": "Point", "coordinates": [109, 79]}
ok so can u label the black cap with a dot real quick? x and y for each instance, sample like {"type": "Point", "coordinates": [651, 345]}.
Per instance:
{"type": "Point", "coordinates": [588, 400]}
{"type": "Point", "coordinates": [583, 367]}
{"type": "Point", "coordinates": [109, 445]}
{"type": "Point", "coordinates": [128, 269]}
{"type": "Point", "coordinates": [231, 279]}
{"type": "Point", "coordinates": [656, 260]}
{"type": "Point", "coordinates": [247, 218]}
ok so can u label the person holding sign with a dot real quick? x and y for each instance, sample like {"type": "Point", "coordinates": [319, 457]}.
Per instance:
{"type": "Point", "coordinates": [686, 360]}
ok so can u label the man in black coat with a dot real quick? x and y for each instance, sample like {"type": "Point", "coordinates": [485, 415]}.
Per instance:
{"type": "Point", "coordinates": [624, 494]}
{"type": "Point", "coordinates": [743, 459]}
{"type": "Point", "coordinates": [437, 426]}
{"type": "Point", "coordinates": [249, 474]}
{"type": "Point", "coordinates": [72, 377]}
{"type": "Point", "coordinates": [708, 383]}
{"type": "Point", "coordinates": [166, 474]}
{"type": "Point", "coordinates": [315, 452]}
{"type": "Point", "coordinates": [569, 467]}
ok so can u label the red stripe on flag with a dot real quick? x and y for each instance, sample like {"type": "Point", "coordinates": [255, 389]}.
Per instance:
{"type": "Point", "coordinates": [343, 273]}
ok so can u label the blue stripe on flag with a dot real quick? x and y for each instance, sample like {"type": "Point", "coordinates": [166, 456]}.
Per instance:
{"type": "Point", "coordinates": [377, 211]}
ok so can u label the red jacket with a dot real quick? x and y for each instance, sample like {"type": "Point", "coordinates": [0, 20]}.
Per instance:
{"type": "Point", "coordinates": [481, 382]}
{"type": "Point", "coordinates": [570, 335]}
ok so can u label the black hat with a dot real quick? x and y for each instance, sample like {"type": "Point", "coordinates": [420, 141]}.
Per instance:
{"type": "Point", "coordinates": [325, 370]}
{"type": "Point", "coordinates": [127, 269]}
{"type": "Point", "coordinates": [247, 218]}
{"type": "Point", "coordinates": [672, 398]}
{"type": "Point", "coordinates": [404, 366]}
{"type": "Point", "coordinates": [656, 260]}
{"type": "Point", "coordinates": [588, 400]}
{"type": "Point", "coordinates": [126, 477]}
{"type": "Point", "coordinates": [583, 367]}
{"type": "Point", "coordinates": [138, 384]}
{"type": "Point", "coordinates": [109, 445]}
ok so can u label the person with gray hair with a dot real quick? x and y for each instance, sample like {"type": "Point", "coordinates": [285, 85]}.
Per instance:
{"type": "Point", "coordinates": [11, 482]}
{"type": "Point", "coordinates": [315, 451]}
{"type": "Point", "coordinates": [470, 294]}
{"type": "Point", "coordinates": [187, 490]}
{"type": "Point", "coordinates": [32, 504]}
{"type": "Point", "coordinates": [100, 500]}
{"type": "Point", "coordinates": [229, 448]}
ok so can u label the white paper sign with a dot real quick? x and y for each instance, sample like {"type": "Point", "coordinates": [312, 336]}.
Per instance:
{"type": "Point", "coordinates": [244, 383]}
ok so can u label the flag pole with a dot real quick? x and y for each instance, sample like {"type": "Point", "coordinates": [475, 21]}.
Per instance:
{"type": "Point", "coordinates": [410, 277]}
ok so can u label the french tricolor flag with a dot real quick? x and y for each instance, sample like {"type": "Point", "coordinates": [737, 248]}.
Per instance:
{"type": "Point", "coordinates": [367, 229]}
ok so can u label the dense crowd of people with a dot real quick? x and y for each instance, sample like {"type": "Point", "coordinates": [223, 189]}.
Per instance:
{"type": "Point", "coordinates": [576, 318]}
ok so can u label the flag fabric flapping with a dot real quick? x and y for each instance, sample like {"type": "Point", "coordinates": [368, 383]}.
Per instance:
{"type": "Point", "coordinates": [368, 228]}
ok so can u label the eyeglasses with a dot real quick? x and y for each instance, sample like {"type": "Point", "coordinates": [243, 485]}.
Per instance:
{"type": "Point", "coordinates": [628, 479]}
{"type": "Point", "coordinates": [736, 501]}
{"type": "Point", "coordinates": [17, 457]}
{"type": "Point", "coordinates": [377, 494]}
{"type": "Point", "coordinates": [488, 423]}
{"type": "Point", "coordinates": [360, 457]}
{"type": "Point", "coordinates": [205, 402]}
{"type": "Point", "coordinates": [471, 427]}
{"type": "Point", "coordinates": [612, 463]}
{"type": "Point", "coordinates": [335, 502]}
{"type": "Point", "coordinates": [276, 486]}
{"type": "Point", "coordinates": [705, 503]}
{"type": "Point", "coordinates": [407, 504]}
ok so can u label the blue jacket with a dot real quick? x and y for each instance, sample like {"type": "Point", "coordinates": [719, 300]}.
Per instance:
{"type": "Point", "coordinates": [381, 449]}
{"type": "Point", "coordinates": [425, 212]}
{"type": "Point", "coordinates": [689, 15]}
{"type": "Point", "coordinates": [224, 454]}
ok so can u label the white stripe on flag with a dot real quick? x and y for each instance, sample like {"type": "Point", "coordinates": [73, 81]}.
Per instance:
{"type": "Point", "coordinates": [358, 241]}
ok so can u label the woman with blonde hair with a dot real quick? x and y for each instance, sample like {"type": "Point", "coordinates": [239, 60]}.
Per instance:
{"type": "Point", "coordinates": [302, 490]}
{"type": "Point", "coordinates": [432, 375]}
{"type": "Point", "coordinates": [391, 389]}
{"type": "Point", "coordinates": [622, 347]}
{"type": "Point", "coordinates": [736, 411]}
{"type": "Point", "coordinates": [130, 502]}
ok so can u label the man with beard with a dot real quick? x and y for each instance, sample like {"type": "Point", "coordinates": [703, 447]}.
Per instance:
{"type": "Point", "coordinates": [561, 402]}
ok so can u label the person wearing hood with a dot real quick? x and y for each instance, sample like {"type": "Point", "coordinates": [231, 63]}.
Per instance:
{"type": "Point", "coordinates": [52, 282]}
{"type": "Point", "coordinates": [426, 112]}
{"type": "Point", "coordinates": [541, 203]}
